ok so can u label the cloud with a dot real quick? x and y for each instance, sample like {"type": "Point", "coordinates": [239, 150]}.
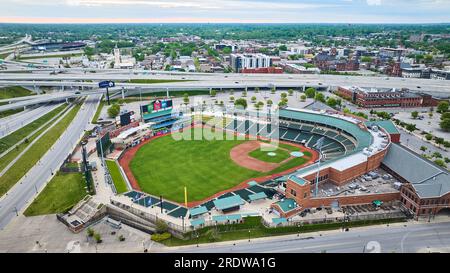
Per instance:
{"type": "Point", "coordinates": [374, 2]}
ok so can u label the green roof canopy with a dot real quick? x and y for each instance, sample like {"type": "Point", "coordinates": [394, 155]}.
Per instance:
{"type": "Point", "coordinates": [228, 202]}
{"type": "Point", "coordinates": [198, 210]}
{"type": "Point", "coordinates": [257, 196]}
{"type": "Point", "coordinates": [224, 218]}
{"type": "Point", "coordinates": [197, 222]}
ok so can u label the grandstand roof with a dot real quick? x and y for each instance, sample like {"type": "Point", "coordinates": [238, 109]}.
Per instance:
{"type": "Point", "coordinates": [363, 137]}
{"type": "Point", "coordinates": [387, 125]}
{"type": "Point", "coordinates": [428, 179]}
{"type": "Point", "coordinates": [228, 202]}
{"type": "Point", "coordinates": [297, 180]}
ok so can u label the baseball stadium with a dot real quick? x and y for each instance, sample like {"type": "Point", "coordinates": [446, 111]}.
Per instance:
{"type": "Point", "coordinates": [277, 168]}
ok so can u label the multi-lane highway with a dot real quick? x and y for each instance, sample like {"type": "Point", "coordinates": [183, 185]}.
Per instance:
{"type": "Point", "coordinates": [17, 121]}
{"type": "Point", "coordinates": [23, 192]}
{"type": "Point", "coordinates": [426, 237]}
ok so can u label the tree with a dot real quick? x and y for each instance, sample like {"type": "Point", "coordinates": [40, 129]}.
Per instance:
{"type": "Point", "coordinates": [290, 92]}
{"type": "Point", "coordinates": [269, 102]}
{"type": "Point", "coordinates": [241, 102]}
{"type": "Point", "coordinates": [213, 93]}
{"type": "Point", "coordinates": [411, 127]}
{"type": "Point", "coordinates": [244, 94]}
{"type": "Point", "coordinates": [445, 124]}
{"type": "Point", "coordinates": [437, 155]}
{"type": "Point", "coordinates": [186, 98]}
{"type": "Point", "coordinates": [253, 99]}
{"type": "Point", "coordinates": [320, 97]}
{"type": "Point", "coordinates": [331, 102]}
{"type": "Point", "coordinates": [443, 107]}
{"type": "Point", "coordinates": [113, 110]}
{"type": "Point", "coordinates": [161, 226]}
{"type": "Point", "coordinates": [430, 114]}
{"type": "Point", "coordinates": [226, 50]}
{"type": "Point", "coordinates": [231, 98]}
{"type": "Point", "coordinates": [303, 98]}
{"type": "Point", "coordinates": [310, 92]}
{"type": "Point", "coordinates": [440, 162]}
{"type": "Point", "coordinates": [282, 48]}
{"type": "Point", "coordinates": [97, 238]}
{"type": "Point", "coordinates": [283, 95]}
{"type": "Point", "coordinates": [414, 114]}
{"type": "Point", "coordinates": [439, 141]}
{"type": "Point", "coordinates": [273, 90]}
{"type": "Point", "coordinates": [428, 137]}
{"type": "Point", "coordinates": [256, 89]}
{"type": "Point", "coordinates": [423, 148]}
{"type": "Point", "coordinates": [445, 115]}
{"type": "Point", "coordinates": [90, 232]}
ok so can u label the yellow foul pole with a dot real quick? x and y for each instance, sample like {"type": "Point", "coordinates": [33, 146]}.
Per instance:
{"type": "Point", "coordinates": [185, 196]}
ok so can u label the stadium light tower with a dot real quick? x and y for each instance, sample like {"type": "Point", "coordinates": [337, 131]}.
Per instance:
{"type": "Point", "coordinates": [318, 145]}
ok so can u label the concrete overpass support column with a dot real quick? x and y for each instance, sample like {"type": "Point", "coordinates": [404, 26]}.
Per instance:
{"type": "Point", "coordinates": [123, 92]}
{"type": "Point", "coordinates": [167, 92]}
{"type": "Point", "coordinates": [62, 88]}
{"type": "Point", "coordinates": [210, 90]}
{"type": "Point", "coordinates": [304, 88]}
{"type": "Point", "coordinates": [67, 100]}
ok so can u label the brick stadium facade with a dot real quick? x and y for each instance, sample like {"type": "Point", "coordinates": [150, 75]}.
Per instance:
{"type": "Point", "coordinates": [301, 193]}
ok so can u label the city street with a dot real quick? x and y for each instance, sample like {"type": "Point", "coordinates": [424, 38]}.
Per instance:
{"type": "Point", "coordinates": [398, 238]}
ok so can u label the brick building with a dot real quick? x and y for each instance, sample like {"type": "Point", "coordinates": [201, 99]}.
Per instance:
{"type": "Point", "coordinates": [373, 98]}
{"type": "Point", "coordinates": [426, 188]}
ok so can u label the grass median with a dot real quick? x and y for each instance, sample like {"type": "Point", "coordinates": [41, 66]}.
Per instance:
{"type": "Point", "coordinates": [61, 193]}
{"type": "Point", "coordinates": [14, 92]}
{"type": "Point", "coordinates": [119, 182]}
{"type": "Point", "coordinates": [98, 111]}
{"type": "Point", "coordinates": [13, 138]}
{"type": "Point", "coordinates": [36, 151]}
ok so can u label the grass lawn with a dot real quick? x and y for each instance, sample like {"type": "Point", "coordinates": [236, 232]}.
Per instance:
{"type": "Point", "coordinates": [99, 110]}
{"type": "Point", "coordinates": [61, 193]}
{"type": "Point", "coordinates": [29, 159]}
{"type": "Point", "coordinates": [7, 113]}
{"type": "Point", "coordinates": [264, 156]}
{"type": "Point", "coordinates": [257, 229]}
{"type": "Point", "coordinates": [14, 92]}
{"type": "Point", "coordinates": [13, 138]}
{"type": "Point", "coordinates": [165, 166]}
{"type": "Point", "coordinates": [50, 56]}
{"type": "Point", "coordinates": [119, 182]}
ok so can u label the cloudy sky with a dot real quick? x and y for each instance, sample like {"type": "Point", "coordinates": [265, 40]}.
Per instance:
{"type": "Point", "coordinates": [225, 11]}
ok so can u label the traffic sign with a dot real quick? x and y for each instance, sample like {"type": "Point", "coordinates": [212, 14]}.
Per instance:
{"type": "Point", "coordinates": [106, 84]}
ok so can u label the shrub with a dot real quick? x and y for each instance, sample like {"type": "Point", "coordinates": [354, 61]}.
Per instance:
{"type": "Point", "coordinates": [97, 238]}
{"type": "Point", "coordinates": [161, 226]}
{"type": "Point", "coordinates": [90, 232]}
{"type": "Point", "coordinates": [161, 237]}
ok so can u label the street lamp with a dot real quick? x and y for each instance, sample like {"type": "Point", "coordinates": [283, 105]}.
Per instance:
{"type": "Point", "coordinates": [249, 235]}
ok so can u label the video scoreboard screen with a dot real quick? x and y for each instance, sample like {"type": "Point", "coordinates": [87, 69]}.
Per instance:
{"type": "Point", "coordinates": [155, 106]}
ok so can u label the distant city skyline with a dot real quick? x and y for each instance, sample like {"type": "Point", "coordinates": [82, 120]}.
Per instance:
{"type": "Point", "coordinates": [225, 11]}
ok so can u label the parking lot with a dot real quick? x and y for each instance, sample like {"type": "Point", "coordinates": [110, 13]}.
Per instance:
{"type": "Point", "coordinates": [378, 181]}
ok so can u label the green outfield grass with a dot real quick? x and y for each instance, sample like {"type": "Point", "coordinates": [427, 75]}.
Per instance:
{"type": "Point", "coordinates": [62, 192]}
{"type": "Point", "coordinates": [116, 176]}
{"type": "Point", "coordinates": [264, 156]}
{"type": "Point", "coordinates": [165, 166]}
